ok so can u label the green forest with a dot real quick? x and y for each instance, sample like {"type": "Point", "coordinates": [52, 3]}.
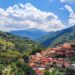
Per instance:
{"type": "Point", "coordinates": [14, 54]}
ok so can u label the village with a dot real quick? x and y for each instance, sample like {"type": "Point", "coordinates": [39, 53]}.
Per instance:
{"type": "Point", "coordinates": [52, 57]}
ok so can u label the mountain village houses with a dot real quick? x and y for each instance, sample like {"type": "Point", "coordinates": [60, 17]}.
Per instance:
{"type": "Point", "coordinates": [58, 56]}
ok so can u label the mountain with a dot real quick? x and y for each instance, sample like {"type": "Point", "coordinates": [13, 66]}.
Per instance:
{"type": "Point", "coordinates": [58, 37]}
{"type": "Point", "coordinates": [20, 44]}
{"type": "Point", "coordinates": [32, 33]}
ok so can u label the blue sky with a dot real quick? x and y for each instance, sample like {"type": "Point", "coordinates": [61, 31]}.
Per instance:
{"type": "Point", "coordinates": [44, 5]}
{"type": "Point", "coordinates": [60, 8]}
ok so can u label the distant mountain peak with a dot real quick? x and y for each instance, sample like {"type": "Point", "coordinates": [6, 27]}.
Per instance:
{"type": "Point", "coordinates": [32, 33]}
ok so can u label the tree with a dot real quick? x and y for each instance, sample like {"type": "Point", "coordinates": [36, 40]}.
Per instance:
{"type": "Point", "coordinates": [7, 71]}
{"type": "Point", "coordinates": [69, 72]}
{"type": "Point", "coordinates": [10, 45]}
{"type": "Point", "coordinates": [46, 73]}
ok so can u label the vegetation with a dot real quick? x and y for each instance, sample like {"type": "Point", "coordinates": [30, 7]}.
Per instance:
{"type": "Point", "coordinates": [14, 54]}
{"type": "Point", "coordinates": [62, 39]}
{"type": "Point", "coordinates": [53, 71]}
{"type": "Point", "coordinates": [58, 37]}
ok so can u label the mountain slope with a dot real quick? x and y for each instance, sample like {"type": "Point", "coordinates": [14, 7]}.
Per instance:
{"type": "Point", "coordinates": [20, 44]}
{"type": "Point", "coordinates": [30, 33]}
{"type": "Point", "coordinates": [14, 54]}
{"type": "Point", "coordinates": [59, 37]}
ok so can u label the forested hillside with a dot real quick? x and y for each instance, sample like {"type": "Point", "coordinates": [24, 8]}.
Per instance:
{"type": "Point", "coordinates": [58, 37]}
{"type": "Point", "coordinates": [14, 54]}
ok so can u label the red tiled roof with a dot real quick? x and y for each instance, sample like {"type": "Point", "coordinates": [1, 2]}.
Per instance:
{"type": "Point", "coordinates": [66, 46]}
{"type": "Point", "coordinates": [38, 71]}
{"type": "Point", "coordinates": [70, 51]}
{"type": "Point", "coordinates": [45, 60]}
{"type": "Point", "coordinates": [61, 53]}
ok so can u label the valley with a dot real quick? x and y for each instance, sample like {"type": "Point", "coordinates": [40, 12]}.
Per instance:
{"type": "Point", "coordinates": [23, 56]}
{"type": "Point", "coordinates": [37, 37]}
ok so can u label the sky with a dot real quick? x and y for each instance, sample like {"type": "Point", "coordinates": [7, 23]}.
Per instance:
{"type": "Point", "coordinates": [47, 15]}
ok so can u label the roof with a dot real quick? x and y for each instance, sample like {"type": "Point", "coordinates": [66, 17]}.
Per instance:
{"type": "Point", "coordinates": [38, 71]}
{"type": "Point", "coordinates": [66, 45]}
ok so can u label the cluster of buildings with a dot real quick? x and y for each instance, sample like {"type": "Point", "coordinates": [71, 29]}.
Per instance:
{"type": "Point", "coordinates": [59, 56]}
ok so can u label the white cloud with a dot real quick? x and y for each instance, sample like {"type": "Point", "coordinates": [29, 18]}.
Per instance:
{"type": "Point", "coordinates": [69, 9]}
{"type": "Point", "coordinates": [27, 16]}
{"type": "Point", "coordinates": [62, 1]}
{"type": "Point", "coordinates": [71, 20]}
{"type": "Point", "coordinates": [67, 1]}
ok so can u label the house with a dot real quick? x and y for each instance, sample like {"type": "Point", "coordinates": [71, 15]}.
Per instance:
{"type": "Point", "coordinates": [41, 61]}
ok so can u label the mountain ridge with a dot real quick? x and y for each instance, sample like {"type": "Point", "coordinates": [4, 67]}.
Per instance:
{"type": "Point", "coordinates": [49, 39]}
{"type": "Point", "coordinates": [21, 44]}
{"type": "Point", "coordinates": [32, 33]}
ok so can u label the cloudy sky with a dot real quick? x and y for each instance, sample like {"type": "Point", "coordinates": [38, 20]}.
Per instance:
{"type": "Point", "coordinates": [48, 15]}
